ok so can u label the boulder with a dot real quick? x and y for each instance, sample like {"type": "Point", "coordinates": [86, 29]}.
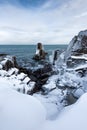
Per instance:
{"type": "Point", "coordinates": [40, 77]}
{"type": "Point", "coordinates": [10, 63]}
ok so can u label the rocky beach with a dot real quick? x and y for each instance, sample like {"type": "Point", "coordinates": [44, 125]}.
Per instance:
{"type": "Point", "coordinates": [54, 86]}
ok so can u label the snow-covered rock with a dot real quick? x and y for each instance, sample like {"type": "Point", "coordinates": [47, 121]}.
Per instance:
{"type": "Point", "coordinates": [78, 93]}
{"type": "Point", "coordinates": [19, 81]}
{"type": "Point", "coordinates": [8, 62]}
{"type": "Point", "coordinates": [21, 76]}
{"type": "Point", "coordinates": [77, 45]}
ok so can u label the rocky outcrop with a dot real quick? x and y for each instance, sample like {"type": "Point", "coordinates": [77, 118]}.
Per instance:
{"type": "Point", "coordinates": [40, 76]}
{"type": "Point", "coordinates": [8, 62]}
{"type": "Point", "coordinates": [76, 52]}
{"type": "Point", "coordinates": [40, 53]}
{"type": "Point", "coordinates": [37, 77]}
{"type": "Point", "coordinates": [72, 71]}
{"type": "Point", "coordinates": [78, 45]}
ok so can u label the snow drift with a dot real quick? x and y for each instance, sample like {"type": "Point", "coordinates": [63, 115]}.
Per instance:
{"type": "Point", "coordinates": [19, 111]}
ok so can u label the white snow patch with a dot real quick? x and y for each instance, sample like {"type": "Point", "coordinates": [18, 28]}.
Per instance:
{"type": "Point", "coordinates": [19, 111]}
{"type": "Point", "coordinates": [82, 57]}
{"type": "Point", "coordinates": [21, 76]}
{"type": "Point", "coordinates": [78, 93]}
{"type": "Point", "coordinates": [73, 117]}
{"type": "Point", "coordinates": [26, 80]}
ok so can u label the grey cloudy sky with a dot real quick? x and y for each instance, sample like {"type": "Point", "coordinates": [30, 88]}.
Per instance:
{"type": "Point", "coordinates": [46, 21]}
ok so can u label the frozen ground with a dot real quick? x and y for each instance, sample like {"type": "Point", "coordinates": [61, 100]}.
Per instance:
{"type": "Point", "coordinates": [23, 112]}
{"type": "Point", "coordinates": [73, 117]}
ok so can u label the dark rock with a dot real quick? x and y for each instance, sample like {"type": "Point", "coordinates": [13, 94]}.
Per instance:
{"type": "Point", "coordinates": [14, 61]}
{"type": "Point", "coordinates": [78, 49]}
{"type": "Point", "coordinates": [36, 57]}
{"type": "Point", "coordinates": [10, 64]}
{"type": "Point", "coordinates": [82, 72]}
{"type": "Point", "coordinates": [84, 42]}
{"type": "Point", "coordinates": [55, 57]}
{"type": "Point", "coordinates": [3, 55]}
{"type": "Point", "coordinates": [70, 99]}
{"type": "Point", "coordinates": [46, 70]}
{"type": "Point", "coordinates": [40, 76]}
{"type": "Point", "coordinates": [37, 88]}
{"type": "Point", "coordinates": [77, 46]}
{"type": "Point", "coordinates": [24, 70]}
{"type": "Point", "coordinates": [41, 53]}
{"type": "Point", "coordinates": [71, 62]}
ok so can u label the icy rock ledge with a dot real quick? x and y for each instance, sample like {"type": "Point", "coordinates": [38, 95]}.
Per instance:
{"type": "Point", "coordinates": [10, 70]}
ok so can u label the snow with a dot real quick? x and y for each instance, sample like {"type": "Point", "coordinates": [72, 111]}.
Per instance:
{"type": "Point", "coordinates": [21, 76]}
{"type": "Point", "coordinates": [26, 80]}
{"type": "Point", "coordinates": [18, 81]}
{"type": "Point", "coordinates": [1, 66]}
{"type": "Point", "coordinates": [19, 111]}
{"type": "Point", "coordinates": [43, 111]}
{"type": "Point", "coordinates": [79, 92]}
{"type": "Point", "coordinates": [52, 103]}
{"type": "Point", "coordinates": [81, 67]}
{"type": "Point", "coordinates": [73, 117]}
{"type": "Point", "coordinates": [13, 71]}
{"type": "Point", "coordinates": [23, 112]}
{"type": "Point", "coordinates": [3, 73]}
{"type": "Point", "coordinates": [82, 57]}
{"type": "Point", "coordinates": [51, 83]}
{"type": "Point", "coordinates": [37, 52]}
{"type": "Point", "coordinates": [5, 58]}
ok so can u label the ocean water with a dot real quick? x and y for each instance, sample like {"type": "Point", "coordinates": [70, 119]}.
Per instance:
{"type": "Point", "coordinates": [24, 53]}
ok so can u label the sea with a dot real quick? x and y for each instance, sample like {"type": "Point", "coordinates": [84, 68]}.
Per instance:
{"type": "Point", "coordinates": [25, 53]}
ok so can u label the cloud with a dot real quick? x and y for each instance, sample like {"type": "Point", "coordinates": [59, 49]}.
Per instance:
{"type": "Point", "coordinates": [81, 15]}
{"type": "Point", "coordinates": [53, 22]}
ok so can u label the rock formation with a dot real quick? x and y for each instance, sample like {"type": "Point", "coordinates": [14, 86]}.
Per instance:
{"type": "Point", "coordinates": [38, 77]}
{"type": "Point", "coordinates": [76, 52]}
{"type": "Point", "coordinates": [8, 62]}
{"type": "Point", "coordinates": [40, 53]}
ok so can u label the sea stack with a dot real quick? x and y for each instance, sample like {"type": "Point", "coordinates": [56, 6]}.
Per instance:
{"type": "Point", "coordinates": [40, 53]}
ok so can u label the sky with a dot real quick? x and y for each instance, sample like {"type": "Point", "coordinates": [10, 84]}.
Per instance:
{"type": "Point", "coordinates": [46, 21]}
